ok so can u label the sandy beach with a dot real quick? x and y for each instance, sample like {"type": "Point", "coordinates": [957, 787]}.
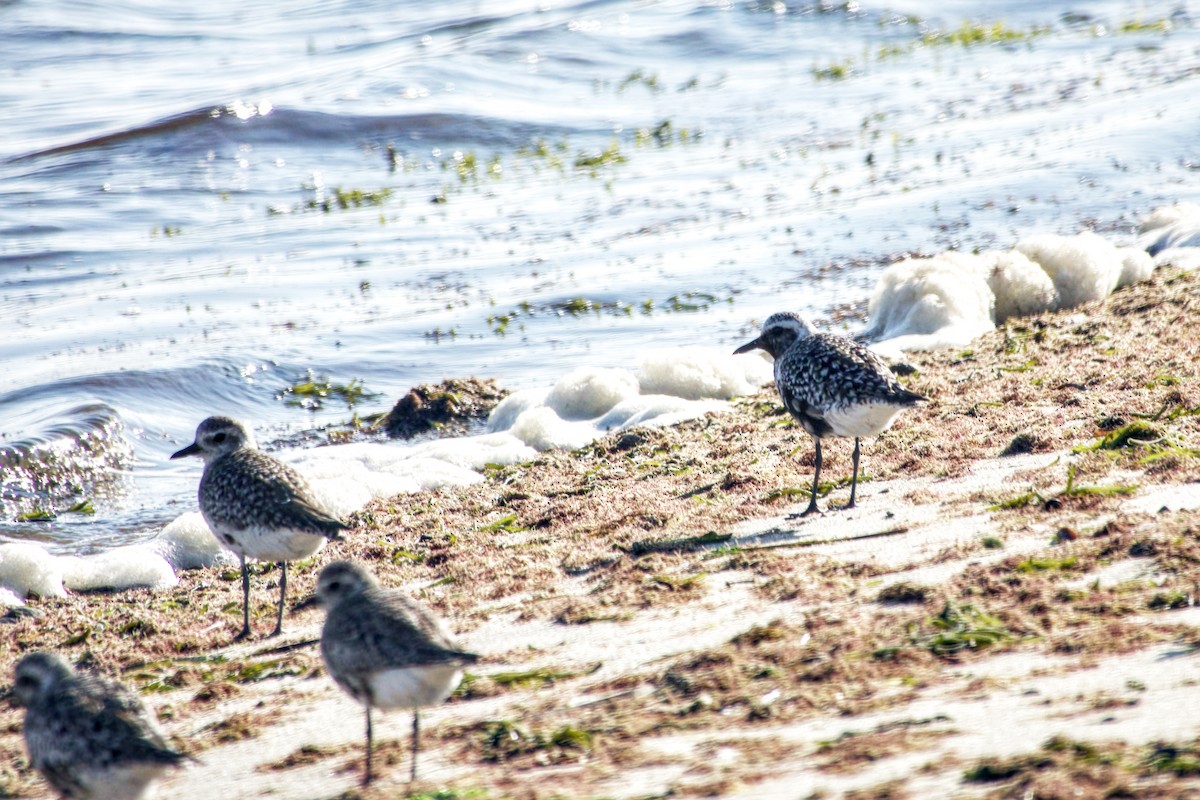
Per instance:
{"type": "Point", "coordinates": [1009, 611]}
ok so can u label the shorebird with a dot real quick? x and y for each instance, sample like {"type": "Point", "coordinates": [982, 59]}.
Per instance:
{"type": "Point", "coordinates": [256, 505]}
{"type": "Point", "coordinates": [383, 648]}
{"type": "Point", "coordinates": [832, 385]}
{"type": "Point", "coordinates": [89, 737]}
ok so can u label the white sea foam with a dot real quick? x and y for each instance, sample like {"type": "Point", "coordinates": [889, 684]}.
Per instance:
{"type": "Point", "coordinates": [656, 410]}
{"type": "Point", "coordinates": [670, 385]}
{"type": "Point", "coordinates": [1136, 265]}
{"type": "Point", "coordinates": [699, 373]}
{"type": "Point", "coordinates": [187, 543]}
{"type": "Point", "coordinates": [588, 392]}
{"type": "Point", "coordinates": [1171, 235]}
{"type": "Point", "coordinates": [505, 414]}
{"type": "Point", "coordinates": [1021, 287]}
{"type": "Point", "coordinates": [542, 429]}
{"type": "Point", "coordinates": [126, 567]}
{"type": "Point", "coordinates": [27, 568]}
{"type": "Point", "coordinates": [9, 598]}
{"type": "Point", "coordinates": [924, 303]}
{"type": "Point", "coordinates": [1084, 267]}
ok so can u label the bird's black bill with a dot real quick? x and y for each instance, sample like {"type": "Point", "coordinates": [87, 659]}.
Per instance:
{"type": "Point", "coordinates": [312, 601]}
{"type": "Point", "coordinates": [746, 348]}
{"type": "Point", "coordinates": [191, 450]}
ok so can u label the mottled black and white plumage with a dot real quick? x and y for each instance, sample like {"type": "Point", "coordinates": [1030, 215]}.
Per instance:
{"type": "Point", "coordinates": [832, 385]}
{"type": "Point", "coordinates": [88, 736]}
{"type": "Point", "coordinates": [383, 648]}
{"type": "Point", "coordinates": [256, 505]}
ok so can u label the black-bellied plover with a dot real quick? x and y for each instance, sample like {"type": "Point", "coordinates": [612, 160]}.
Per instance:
{"type": "Point", "coordinates": [383, 648]}
{"type": "Point", "coordinates": [256, 505]}
{"type": "Point", "coordinates": [832, 385]}
{"type": "Point", "coordinates": [90, 737]}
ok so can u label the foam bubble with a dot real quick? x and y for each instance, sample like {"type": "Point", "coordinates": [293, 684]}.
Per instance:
{"type": "Point", "coordinates": [542, 429]}
{"type": "Point", "coordinates": [26, 568]}
{"type": "Point", "coordinates": [1084, 267]}
{"type": "Point", "coordinates": [588, 392]}
{"type": "Point", "coordinates": [122, 568]}
{"type": "Point", "coordinates": [699, 373]}
{"type": "Point", "coordinates": [656, 410]}
{"type": "Point", "coordinates": [1171, 235]}
{"type": "Point", "coordinates": [476, 452]}
{"type": "Point", "coordinates": [1021, 288]}
{"type": "Point", "coordinates": [507, 410]}
{"type": "Point", "coordinates": [1136, 265]}
{"type": "Point", "coordinates": [922, 303]}
{"type": "Point", "coordinates": [1168, 217]}
{"type": "Point", "coordinates": [187, 543]}
{"type": "Point", "coordinates": [1185, 258]}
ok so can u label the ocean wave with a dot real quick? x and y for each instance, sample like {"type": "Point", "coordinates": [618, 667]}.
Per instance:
{"type": "Point", "coordinates": [70, 455]}
{"type": "Point", "coordinates": [200, 129]}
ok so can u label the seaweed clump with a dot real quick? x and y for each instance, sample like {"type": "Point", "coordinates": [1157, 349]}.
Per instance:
{"type": "Point", "coordinates": [449, 407]}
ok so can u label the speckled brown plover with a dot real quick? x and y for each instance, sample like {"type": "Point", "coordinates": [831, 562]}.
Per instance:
{"type": "Point", "coordinates": [256, 505]}
{"type": "Point", "coordinates": [383, 648]}
{"type": "Point", "coordinates": [832, 385]}
{"type": "Point", "coordinates": [89, 736]}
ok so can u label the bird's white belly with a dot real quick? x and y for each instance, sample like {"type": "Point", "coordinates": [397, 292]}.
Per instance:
{"type": "Point", "coordinates": [270, 544]}
{"type": "Point", "coordinates": [130, 782]}
{"type": "Point", "coordinates": [409, 687]}
{"type": "Point", "coordinates": [862, 419]}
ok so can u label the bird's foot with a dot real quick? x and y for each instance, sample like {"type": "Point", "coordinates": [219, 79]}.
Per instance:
{"type": "Point", "coordinates": [812, 509]}
{"type": "Point", "coordinates": [244, 635]}
{"type": "Point", "coordinates": [278, 630]}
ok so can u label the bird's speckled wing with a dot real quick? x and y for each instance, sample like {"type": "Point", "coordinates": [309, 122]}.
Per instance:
{"type": "Point", "coordinates": [384, 628]}
{"type": "Point", "coordinates": [824, 372]}
{"type": "Point", "coordinates": [89, 724]}
{"type": "Point", "coordinates": [249, 489]}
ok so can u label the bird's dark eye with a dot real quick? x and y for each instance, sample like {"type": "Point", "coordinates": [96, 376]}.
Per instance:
{"type": "Point", "coordinates": [27, 681]}
{"type": "Point", "coordinates": [334, 586]}
{"type": "Point", "coordinates": [220, 437]}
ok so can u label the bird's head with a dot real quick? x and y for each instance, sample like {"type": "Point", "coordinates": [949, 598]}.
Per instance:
{"type": "Point", "coordinates": [215, 437]}
{"type": "Point", "coordinates": [781, 330]}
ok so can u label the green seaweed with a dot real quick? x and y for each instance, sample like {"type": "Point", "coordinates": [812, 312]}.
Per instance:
{"type": "Point", "coordinates": [970, 34]}
{"type": "Point", "coordinates": [960, 627]}
{"type": "Point", "coordinates": [312, 392]}
{"type": "Point", "coordinates": [837, 71]}
{"type": "Point", "coordinates": [508, 524]}
{"type": "Point", "coordinates": [503, 740]}
{"type": "Point", "coordinates": [1032, 565]}
{"type": "Point", "coordinates": [608, 157]}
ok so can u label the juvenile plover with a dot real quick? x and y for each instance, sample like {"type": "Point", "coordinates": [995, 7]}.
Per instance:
{"type": "Point", "coordinates": [832, 385]}
{"type": "Point", "coordinates": [256, 505]}
{"type": "Point", "coordinates": [383, 648]}
{"type": "Point", "coordinates": [90, 737]}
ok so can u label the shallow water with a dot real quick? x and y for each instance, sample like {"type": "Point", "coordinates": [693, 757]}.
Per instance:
{"type": "Point", "coordinates": [175, 242]}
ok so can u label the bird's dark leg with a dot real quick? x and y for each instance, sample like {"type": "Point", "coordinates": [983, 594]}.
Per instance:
{"type": "Point", "coordinates": [245, 603]}
{"type": "Point", "coordinates": [416, 742]}
{"type": "Point", "coordinates": [854, 480]}
{"type": "Point", "coordinates": [367, 776]}
{"type": "Point", "coordinates": [282, 594]}
{"type": "Point", "coordinates": [812, 503]}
